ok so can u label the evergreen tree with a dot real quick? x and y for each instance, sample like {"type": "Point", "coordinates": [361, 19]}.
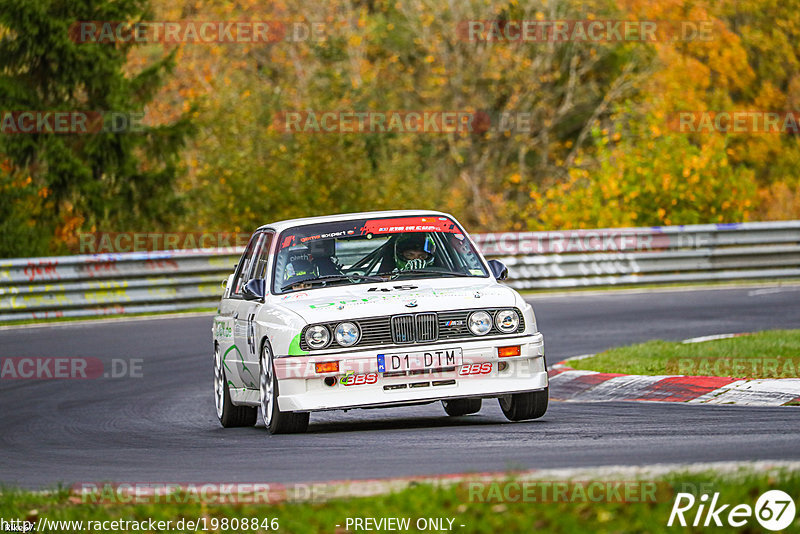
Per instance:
{"type": "Point", "coordinates": [57, 185]}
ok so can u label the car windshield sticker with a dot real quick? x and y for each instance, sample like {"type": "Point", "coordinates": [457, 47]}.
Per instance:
{"type": "Point", "coordinates": [409, 224]}
{"type": "Point", "coordinates": [370, 227]}
{"type": "Point", "coordinates": [327, 235]}
{"type": "Point", "coordinates": [287, 241]}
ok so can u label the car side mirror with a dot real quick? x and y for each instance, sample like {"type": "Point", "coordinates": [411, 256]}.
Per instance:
{"type": "Point", "coordinates": [499, 270]}
{"type": "Point", "coordinates": [255, 289]}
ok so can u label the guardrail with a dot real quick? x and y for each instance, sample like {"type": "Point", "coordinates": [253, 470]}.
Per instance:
{"type": "Point", "coordinates": [111, 284]}
{"type": "Point", "coordinates": [138, 282]}
{"type": "Point", "coordinates": [654, 255]}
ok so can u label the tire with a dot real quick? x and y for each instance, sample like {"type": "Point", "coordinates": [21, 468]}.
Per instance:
{"type": "Point", "coordinates": [229, 414]}
{"type": "Point", "coordinates": [456, 407]}
{"type": "Point", "coordinates": [276, 421]}
{"type": "Point", "coordinates": [522, 406]}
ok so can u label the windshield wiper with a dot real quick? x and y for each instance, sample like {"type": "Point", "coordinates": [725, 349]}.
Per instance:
{"type": "Point", "coordinates": [427, 272]}
{"type": "Point", "coordinates": [334, 278]}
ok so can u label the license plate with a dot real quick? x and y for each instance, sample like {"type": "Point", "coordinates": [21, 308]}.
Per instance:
{"type": "Point", "coordinates": [413, 361]}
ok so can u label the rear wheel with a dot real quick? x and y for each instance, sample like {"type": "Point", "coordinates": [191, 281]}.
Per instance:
{"type": "Point", "coordinates": [522, 406]}
{"type": "Point", "coordinates": [229, 414]}
{"type": "Point", "coordinates": [456, 407]}
{"type": "Point", "coordinates": [276, 421]}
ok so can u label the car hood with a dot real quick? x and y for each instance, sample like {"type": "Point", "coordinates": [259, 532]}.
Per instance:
{"type": "Point", "coordinates": [390, 298]}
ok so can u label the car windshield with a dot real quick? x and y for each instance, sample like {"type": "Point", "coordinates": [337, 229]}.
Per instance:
{"type": "Point", "coordinates": [368, 250]}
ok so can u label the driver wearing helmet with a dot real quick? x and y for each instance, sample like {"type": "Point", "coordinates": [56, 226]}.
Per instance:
{"type": "Point", "coordinates": [414, 251]}
{"type": "Point", "coordinates": [298, 267]}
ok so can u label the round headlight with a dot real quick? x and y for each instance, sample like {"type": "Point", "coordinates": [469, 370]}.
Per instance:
{"type": "Point", "coordinates": [480, 323]}
{"type": "Point", "coordinates": [507, 320]}
{"type": "Point", "coordinates": [318, 337]}
{"type": "Point", "coordinates": [346, 334]}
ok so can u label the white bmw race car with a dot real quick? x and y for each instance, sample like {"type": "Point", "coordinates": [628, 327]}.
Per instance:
{"type": "Point", "coordinates": [371, 310]}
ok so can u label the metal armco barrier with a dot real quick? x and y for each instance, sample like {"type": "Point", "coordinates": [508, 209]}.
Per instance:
{"type": "Point", "coordinates": [111, 284]}
{"type": "Point", "coordinates": [125, 283]}
{"type": "Point", "coordinates": [659, 254]}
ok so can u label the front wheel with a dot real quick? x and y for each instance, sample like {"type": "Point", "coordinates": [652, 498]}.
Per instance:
{"type": "Point", "coordinates": [228, 413]}
{"type": "Point", "coordinates": [522, 406]}
{"type": "Point", "coordinates": [276, 421]}
{"type": "Point", "coordinates": [456, 407]}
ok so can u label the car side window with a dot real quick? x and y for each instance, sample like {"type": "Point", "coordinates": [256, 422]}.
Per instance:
{"type": "Point", "coordinates": [262, 258]}
{"type": "Point", "coordinates": [246, 264]}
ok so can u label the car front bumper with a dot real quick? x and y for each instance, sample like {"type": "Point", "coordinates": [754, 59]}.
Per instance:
{"type": "Point", "coordinates": [302, 389]}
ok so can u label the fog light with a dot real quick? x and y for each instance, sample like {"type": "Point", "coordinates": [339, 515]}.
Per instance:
{"type": "Point", "coordinates": [502, 366]}
{"type": "Point", "coordinates": [327, 367]}
{"type": "Point", "coordinates": [507, 352]}
{"type": "Point", "coordinates": [330, 381]}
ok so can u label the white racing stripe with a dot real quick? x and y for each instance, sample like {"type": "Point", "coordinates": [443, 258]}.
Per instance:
{"type": "Point", "coordinates": [713, 337]}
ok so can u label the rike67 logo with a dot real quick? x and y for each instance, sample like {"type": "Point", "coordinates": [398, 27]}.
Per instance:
{"type": "Point", "coordinates": [774, 510]}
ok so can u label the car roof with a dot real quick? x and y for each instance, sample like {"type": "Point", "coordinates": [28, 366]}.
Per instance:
{"type": "Point", "coordinates": [289, 223]}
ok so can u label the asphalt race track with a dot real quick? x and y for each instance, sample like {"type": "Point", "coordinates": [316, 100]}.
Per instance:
{"type": "Point", "coordinates": [162, 427]}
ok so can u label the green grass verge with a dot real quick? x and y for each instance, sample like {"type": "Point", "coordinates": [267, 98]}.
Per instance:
{"type": "Point", "coordinates": [569, 515]}
{"type": "Point", "coordinates": [770, 354]}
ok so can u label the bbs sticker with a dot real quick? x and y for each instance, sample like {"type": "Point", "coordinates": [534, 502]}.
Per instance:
{"type": "Point", "coordinates": [475, 369]}
{"type": "Point", "coordinates": [352, 379]}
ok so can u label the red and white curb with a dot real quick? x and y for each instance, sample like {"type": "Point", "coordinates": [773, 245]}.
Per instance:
{"type": "Point", "coordinates": [573, 385]}
{"type": "Point", "coordinates": [766, 392]}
